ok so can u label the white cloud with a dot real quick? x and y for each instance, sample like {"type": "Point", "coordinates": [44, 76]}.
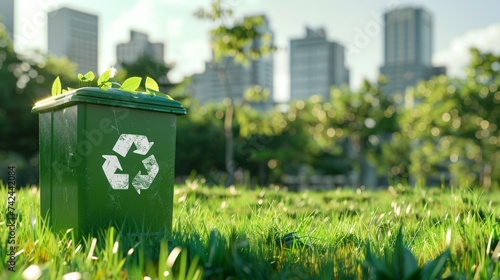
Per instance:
{"type": "Point", "coordinates": [31, 23]}
{"type": "Point", "coordinates": [189, 58]}
{"type": "Point", "coordinates": [457, 56]}
{"type": "Point", "coordinates": [139, 17]}
{"type": "Point", "coordinates": [172, 2]}
{"type": "Point", "coordinates": [174, 28]}
{"type": "Point", "coordinates": [176, 2]}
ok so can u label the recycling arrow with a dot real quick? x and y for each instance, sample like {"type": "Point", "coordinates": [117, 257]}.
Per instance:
{"type": "Point", "coordinates": [142, 182]}
{"type": "Point", "coordinates": [117, 181]}
{"type": "Point", "coordinates": [125, 141]}
{"type": "Point", "coordinates": [122, 147]}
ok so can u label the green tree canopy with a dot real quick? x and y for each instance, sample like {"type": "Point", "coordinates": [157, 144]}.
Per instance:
{"type": "Point", "coordinates": [455, 123]}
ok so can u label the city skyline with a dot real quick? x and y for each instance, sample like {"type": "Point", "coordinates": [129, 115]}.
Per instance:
{"type": "Point", "coordinates": [316, 65]}
{"type": "Point", "coordinates": [186, 38]}
{"type": "Point", "coordinates": [408, 48]}
{"type": "Point", "coordinates": [74, 34]}
{"type": "Point", "coordinates": [138, 46]}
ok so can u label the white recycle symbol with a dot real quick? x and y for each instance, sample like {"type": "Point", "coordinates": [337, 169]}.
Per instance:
{"type": "Point", "coordinates": [122, 146]}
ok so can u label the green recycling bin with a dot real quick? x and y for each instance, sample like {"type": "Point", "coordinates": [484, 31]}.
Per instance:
{"type": "Point", "coordinates": [107, 159]}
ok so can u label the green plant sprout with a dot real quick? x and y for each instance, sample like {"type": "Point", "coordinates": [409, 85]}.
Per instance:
{"type": "Point", "coordinates": [403, 264]}
{"type": "Point", "coordinates": [86, 80]}
{"type": "Point", "coordinates": [107, 81]}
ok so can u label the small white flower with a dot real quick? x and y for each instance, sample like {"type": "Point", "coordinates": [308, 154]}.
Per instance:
{"type": "Point", "coordinates": [72, 276]}
{"type": "Point", "coordinates": [32, 272]}
{"type": "Point", "coordinates": [448, 237]}
{"type": "Point", "coordinates": [115, 247]}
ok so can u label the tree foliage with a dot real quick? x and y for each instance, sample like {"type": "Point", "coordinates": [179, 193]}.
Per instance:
{"type": "Point", "coordinates": [455, 123]}
{"type": "Point", "coordinates": [24, 80]}
{"type": "Point", "coordinates": [366, 120]}
{"type": "Point", "coordinates": [241, 40]}
{"type": "Point", "coordinates": [451, 128]}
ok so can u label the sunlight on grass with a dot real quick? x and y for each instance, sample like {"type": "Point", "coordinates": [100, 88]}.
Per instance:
{"type": "Point", "coordinates": [270, 234]}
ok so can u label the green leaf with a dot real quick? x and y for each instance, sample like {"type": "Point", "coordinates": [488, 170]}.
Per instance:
{"type": "Point", "coordinates": [378, 266]}
{"type": "Point", "coordinates": [434, 268]}
{"type": "Point", "coordinates": [161, 94]}
{"type": "Point", "coordinates": [131, 84]}
{"type": "Point", "coordinates": [106, 85]}
{"type": "Point", "coordinates": [162, 265]}
{"type": "Point", "coordinates": [183, 265]}
{"type": "Point", "coordinates": [103, 78]}
{"type": "Point", "coordinates": [56, 87]}
{"type": "Point", "coordinates": [193, 268]}
{"type": "Point", "coordinates": [405, 264]}
{"type": "Point", "coordinates": [80, 77]}
{"type": "Point", "coordinates": [89, 76]}
{"type": "Point", "coordinates": [151, 84]}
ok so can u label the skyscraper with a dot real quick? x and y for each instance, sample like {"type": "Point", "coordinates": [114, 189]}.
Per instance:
{"type": "Point", "coordinates": [207, 86]}
{"type": "Point", "coordinates": [408, 47]}
{"type": "Point", "coordinates": [7, 16]}
{"type": "Point", "coordinates": [74, 34]}
{"type": "Point", "coordinates": [316, 65]}
{"type": "Point", "coordinates": [138, 46]}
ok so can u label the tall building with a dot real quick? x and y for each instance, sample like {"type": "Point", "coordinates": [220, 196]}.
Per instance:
{"type": "Point", "coordinates": [408, 47]}
{"type": "Point", "coordinates": [7, 16]}
{"type": "Point", "coordinates": [138, 46]}
{"type": "Point", "coordinates": [316, 65]}
{"type": "Point", "coordinates": [207, 86]}
{"type": "Point", "coordinates": [74, 34]}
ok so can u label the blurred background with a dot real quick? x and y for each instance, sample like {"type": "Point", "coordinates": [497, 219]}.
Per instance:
{"type": "Point", "coordinates": [310, 97]}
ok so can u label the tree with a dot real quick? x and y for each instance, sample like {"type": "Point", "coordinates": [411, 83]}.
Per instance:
{"type": "Point", "coordinates": [366, 119]}
{"type": "Point", "coordinates": [257, 131]}
{"type": "Point", "coordinates": [24, 81]}
{"type": "Point", "coordinates": [8, 98]}
{"type": "Point", "coordinates": [233, 40]}
{"type": "Point", "coordinates": [455, 123]}
{"type": "Point", "coordinates": [481, 97]}
{"type": "Point", "coordinates": [200, 146]}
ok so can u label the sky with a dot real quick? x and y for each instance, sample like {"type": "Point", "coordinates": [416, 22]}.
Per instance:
{"type": "Point", "coordinates": [358, 25]}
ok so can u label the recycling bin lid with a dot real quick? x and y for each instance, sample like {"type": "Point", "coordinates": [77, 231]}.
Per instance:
{"type": "Point", "coordinates": [109, 97]}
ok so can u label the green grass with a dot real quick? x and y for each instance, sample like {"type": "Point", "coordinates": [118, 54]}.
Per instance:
{"type": "Point", "coordinates": [238, 233]}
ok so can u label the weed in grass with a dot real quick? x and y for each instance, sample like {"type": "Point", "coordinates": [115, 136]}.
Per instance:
{"type": "Point", "coordinates": [402, 264]}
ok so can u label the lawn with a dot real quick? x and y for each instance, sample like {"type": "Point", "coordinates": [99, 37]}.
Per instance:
{"type": "Point", "coordinates": [271, 233]}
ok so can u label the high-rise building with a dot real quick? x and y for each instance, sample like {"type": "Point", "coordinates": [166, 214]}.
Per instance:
{"type": "Point", "coordinates": [207, 86]}
{"type": "Point", "coordinates": [7, 16]}
{"type": "Point", "coordinates": [316, 65]}
{"type": "Point", "coordinates": [139, 46]}
{"type": "Point", "coordinates": [408, 47]}
{"type": "Point", "coordinates": [74, 34]}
